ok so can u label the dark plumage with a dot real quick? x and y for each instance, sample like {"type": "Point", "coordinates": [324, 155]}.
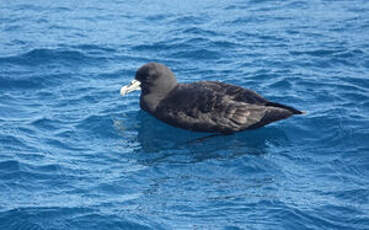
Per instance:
{"type": "Point", "coordinates": [207, 106]}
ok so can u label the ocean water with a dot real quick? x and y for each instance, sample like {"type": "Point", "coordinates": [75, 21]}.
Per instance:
{"type": "Point", "coordinates": [74, 154]}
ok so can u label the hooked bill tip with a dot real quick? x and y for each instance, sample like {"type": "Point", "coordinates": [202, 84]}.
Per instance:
{"type": "Point", "coordinates": [123, 91]}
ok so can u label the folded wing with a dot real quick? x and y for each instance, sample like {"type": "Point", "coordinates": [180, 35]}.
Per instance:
{"type": "Point", "coordinates": [217, 107]}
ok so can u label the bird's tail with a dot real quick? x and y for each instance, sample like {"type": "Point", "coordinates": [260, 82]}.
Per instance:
{"type": "Point", "coordinates": [289, 108]}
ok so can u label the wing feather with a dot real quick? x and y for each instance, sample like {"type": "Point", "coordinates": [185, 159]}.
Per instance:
{"type": "Point", "coordinates": [217, 108]}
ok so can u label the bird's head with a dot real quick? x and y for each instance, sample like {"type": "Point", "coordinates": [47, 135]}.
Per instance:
{"type": "Point", "coordinates": [151, 78]}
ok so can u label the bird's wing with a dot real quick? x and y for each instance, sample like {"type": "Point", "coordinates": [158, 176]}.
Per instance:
{"type": "Point", "coordinates": [205, 109]}
{"type": "Point", "coordinates": [235, 116]}
{"type": "Point", "coordinates": [235, 92]}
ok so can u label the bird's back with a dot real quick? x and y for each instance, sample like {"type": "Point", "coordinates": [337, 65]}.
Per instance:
{"type": "Point", "coordinates": [218, 107]}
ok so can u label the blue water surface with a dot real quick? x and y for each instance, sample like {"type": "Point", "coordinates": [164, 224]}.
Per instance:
{"type": "Point", "coordinates": [74, 154]}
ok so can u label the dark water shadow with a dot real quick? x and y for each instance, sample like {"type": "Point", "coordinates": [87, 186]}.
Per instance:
{"type": "Point", "coordinates": [159, 142]}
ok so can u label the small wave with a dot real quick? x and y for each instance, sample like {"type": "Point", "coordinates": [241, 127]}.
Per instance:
{"type": "Point", "coordinates": [199, 54]}
{"type": "Point", "coordinates": [20, 171]}
{"type": "Point", "coordinates": [317, 52]}
{"type": "Point", "coordinates": [237, 7]}
{"type": "Point", "coordinates": [39, 56]}
{"type": "Point", "coordinates": [94, 47]}
{"type": "Point", "coordinates": [15, 142]}
{"type": "Point", "coordinates": [247, 20]}
{"type": "Point", "coordinates": [281, 84]}
{"type": "Point", "coordinates": [63, 145]}
{"type": "Point", "coordinates": [30, 7]}
{"type": "Point", "coordinates": [98, 125]}
{"type": "Point", "coordinates": [32, 81]}
{"type": "Point", "coordinates": [346, 195]}
{"type": "Point", "coordinates": [188, 20]}
{"type": "Point", "coordinates": [350, 53]}
{"type": "Point", "coordinates": [160, 46]}
{"type": "Point", "coordinates": [9, 166]}
{"type": "Point", "coordinates": [9, 111]}
{"type": "Point", "coordinates": [47, 56]}
{"type": "Point", "coordinates": [46, 124]}
{"type": "Point", "coordinates": [40, 218]}
{"type": "Point", "coordinates": [199, 31]}
{"type": "Point", "coordinates": [297, 5]}
{"type": "Point", "coordinates": [225, 44]}
{"type": "Point", "coordinates": [157, 18]}
{"type": "Point", "coordinates": [61, 9]}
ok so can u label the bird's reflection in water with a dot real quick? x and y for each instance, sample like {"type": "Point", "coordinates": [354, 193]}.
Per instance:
{"type": "Point", "coordinates": [158, 142]}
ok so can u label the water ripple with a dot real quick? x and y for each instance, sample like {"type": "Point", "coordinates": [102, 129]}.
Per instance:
{"type": "Point", "coordinates": [77, 155]}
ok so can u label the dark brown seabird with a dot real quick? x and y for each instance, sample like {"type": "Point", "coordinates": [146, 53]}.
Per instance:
{"type": "Point", "coordinates": [206, 106]}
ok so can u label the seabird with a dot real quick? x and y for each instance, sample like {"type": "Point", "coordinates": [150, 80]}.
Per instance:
{"type": "Point", "coordinates": [206, 106]}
